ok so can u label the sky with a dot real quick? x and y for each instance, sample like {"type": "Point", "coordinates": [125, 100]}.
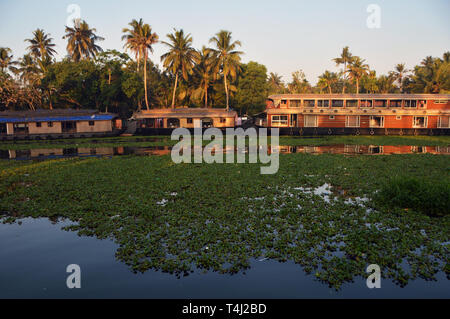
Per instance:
{"type": "Point", "coordinates": [284, 35]}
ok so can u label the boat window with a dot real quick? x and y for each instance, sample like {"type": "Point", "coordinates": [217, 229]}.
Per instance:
{"type": "Point", "coordinates": [351, 103]}
{"type": "Point", "coordinates": [352, 121]}
{"type": "Point", "coordinates": [366, 103]}
{"type": "Point", "coordinates": [279, 120]}
{"type": "Point", "coordinates": [444, 122]}
{"type": "Point", "coordinates": [323, 103]}
{"type": "Point", "coordinates": [377, 121]}
{"type": "Point", "coordinates": [20, 128]}
{"type": "Point", "coordinates": [380, 103]}
{"type": "Point", "coordinates": [420, 122]}
{"type": "Point", "coordinates": [422, 103]}
{"type": "Point", "coordinates": [410, 103]}
{"type": "Point", "coordinates": [310, 121]}
{"type": "Point", "coordinates": [337, 103]}
{"type": "Point", "coordinates": [295, 103]}
{"type": "Point", "coordinates": [309, 103]}
{"type": "Point", "coordinates": [395, 103]}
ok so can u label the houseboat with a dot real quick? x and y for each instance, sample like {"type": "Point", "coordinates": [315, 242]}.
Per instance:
{"type": "Point", "coordinates": [396, 114]}
{"type": "Point", "coordinates": [61, 123]}
{"type": "Point", "coordinates": [163, 121]}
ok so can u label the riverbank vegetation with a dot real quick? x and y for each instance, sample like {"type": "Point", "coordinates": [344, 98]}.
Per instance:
{"type": "Point", "coordinates": [211, 76]}
{"type": "Point", "coordinates": [318, 211]}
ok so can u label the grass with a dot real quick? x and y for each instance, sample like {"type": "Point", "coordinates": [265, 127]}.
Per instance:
{"type": "Point", "coordinates": [185, 217]}
{"type": "Point", "coordinates": [136, 141]}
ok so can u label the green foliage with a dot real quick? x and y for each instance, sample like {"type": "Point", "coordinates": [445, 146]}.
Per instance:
{"type": "Point", "coordinates": [427, 196]}
{"type": "Point", "coordinates": [432, 76]}
{"type": "Point", "coordinates": [252, 88]}
{"type": "Point", "coordinates": [220, 216]}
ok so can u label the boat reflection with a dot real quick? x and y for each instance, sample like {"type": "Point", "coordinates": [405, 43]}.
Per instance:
{"type": "Point", "coordinates": [50, 153]}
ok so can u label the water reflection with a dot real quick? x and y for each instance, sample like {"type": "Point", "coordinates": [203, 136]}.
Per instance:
{"type": "Point", "coordinates": [50, 153]}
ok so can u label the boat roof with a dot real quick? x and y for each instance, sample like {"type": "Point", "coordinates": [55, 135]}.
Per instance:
{"type": "Point", "coordinates": [184, 113]}
{"type": "Point", "coordinates": [54, 116]}
{"type": "Point", "coordinates": [361, 96]}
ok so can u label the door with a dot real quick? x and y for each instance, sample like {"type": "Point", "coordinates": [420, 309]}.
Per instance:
{"type": "Point", "coordinates": [293, 121]}
{"type": "Point", "coordinates": [69, 127]}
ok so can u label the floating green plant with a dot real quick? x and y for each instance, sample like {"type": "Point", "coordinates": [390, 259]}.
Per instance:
{"type": "Point", "coordinates": [317, 211]}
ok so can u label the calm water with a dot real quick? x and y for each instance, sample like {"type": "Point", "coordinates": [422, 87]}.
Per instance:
{"type": "Point", "coordinates": [50, 153]}
{"type": "Point", "coordinates": [33, 266]}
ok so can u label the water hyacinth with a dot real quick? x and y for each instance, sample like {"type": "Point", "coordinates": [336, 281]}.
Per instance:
{"type": "Point", "coordinates": [318, 211]}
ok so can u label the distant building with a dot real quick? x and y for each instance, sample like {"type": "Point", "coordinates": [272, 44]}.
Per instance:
{"type": "Point", "coordinates": [359, 113]}
{"type": "Point", "coordinates": [58, 123]}
{"type": "Point", "coordinates": [168, 118]}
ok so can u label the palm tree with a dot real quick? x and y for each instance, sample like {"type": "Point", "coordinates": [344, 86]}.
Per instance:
{"type": "Point", "coordinates": [228, 59]}
{"type": "Point", "coordinates": [399, 74]}
{"type": "Point", "coordinates": [82, 41]}
{"type": "Point", "coordinates": [140, 40]}
{"type": "Point", "coordinates": [41, 45]}
{"type": "Point", "coordinates": [446, 57]}
{"type": "Point", "coordinates": [28, 70]}
{"type": "Point", "coordinates": [181, 57]}
{"type": "Point", "coordinates": [131, 38]}
{"type": "Point", "coordinates": [299, 83]}
{"type": "Point", "coordinates": [385, 83]}
{"type": "Point", "coordinates": [275, 82]}
{"type": "Point", "coordinates": [6, 59]}
{"type": "Point", "coordinates": [345, 59]}
{"type": "Point", "coordinates": [328, 78]}
{"type": "Point", "coordinates": [356, 70]}
{"type": "Point", "coordinates": [371, 82]}
{"type": "Point", "coordinates": [204, 69]}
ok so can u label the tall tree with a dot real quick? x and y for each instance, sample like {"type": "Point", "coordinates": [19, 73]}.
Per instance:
{"type": "Point", "coordinates": [204, 70]}
{"type": "Point", "coordinates": [141, 40]}
{"type": "Point", "coordinates": [345, 59]}
{"type": "Point", "coordinates": [6, 59]}
{"type": "Point", "coordinates": [385, 83]}
{"type": "Point", "coordinates": [328, 78]}
{"type": "Point", "coordinates": [28, 70]}
{"type": "Point", "coordinates": [82, 41]}
{"type": "Point", "coordinates": [252, 88]}
{"type": "Point", "coordinates": [357, 70]}
{"type": "Point", "coordinates": [132, 37]}
{"type": "Point", "coordinates": [275, 83]}
{"type": "Point", "coordinates": [399, 75]}
{"type": "Point", "coordinates": [41, 45]}
{"type": "Point", "coordinates": [299, 83]}
{"type": "Point", "coordinates": [431, 76]}
{"type": "Point", "coordinates": [446, 57]}
{"type": "Point", "coordinates": [228, 59]}
{"type": "Point", "coordinates": [180, 58]}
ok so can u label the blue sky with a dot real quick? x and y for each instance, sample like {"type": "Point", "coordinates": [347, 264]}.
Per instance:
{"type": "Point", "coordinates": [284, 35]}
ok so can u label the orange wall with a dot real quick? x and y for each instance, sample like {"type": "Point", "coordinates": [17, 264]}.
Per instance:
{"type": "Point", "coordinates": [324, 121]}
{"type": "Point", "coordinates": [432, 106]}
